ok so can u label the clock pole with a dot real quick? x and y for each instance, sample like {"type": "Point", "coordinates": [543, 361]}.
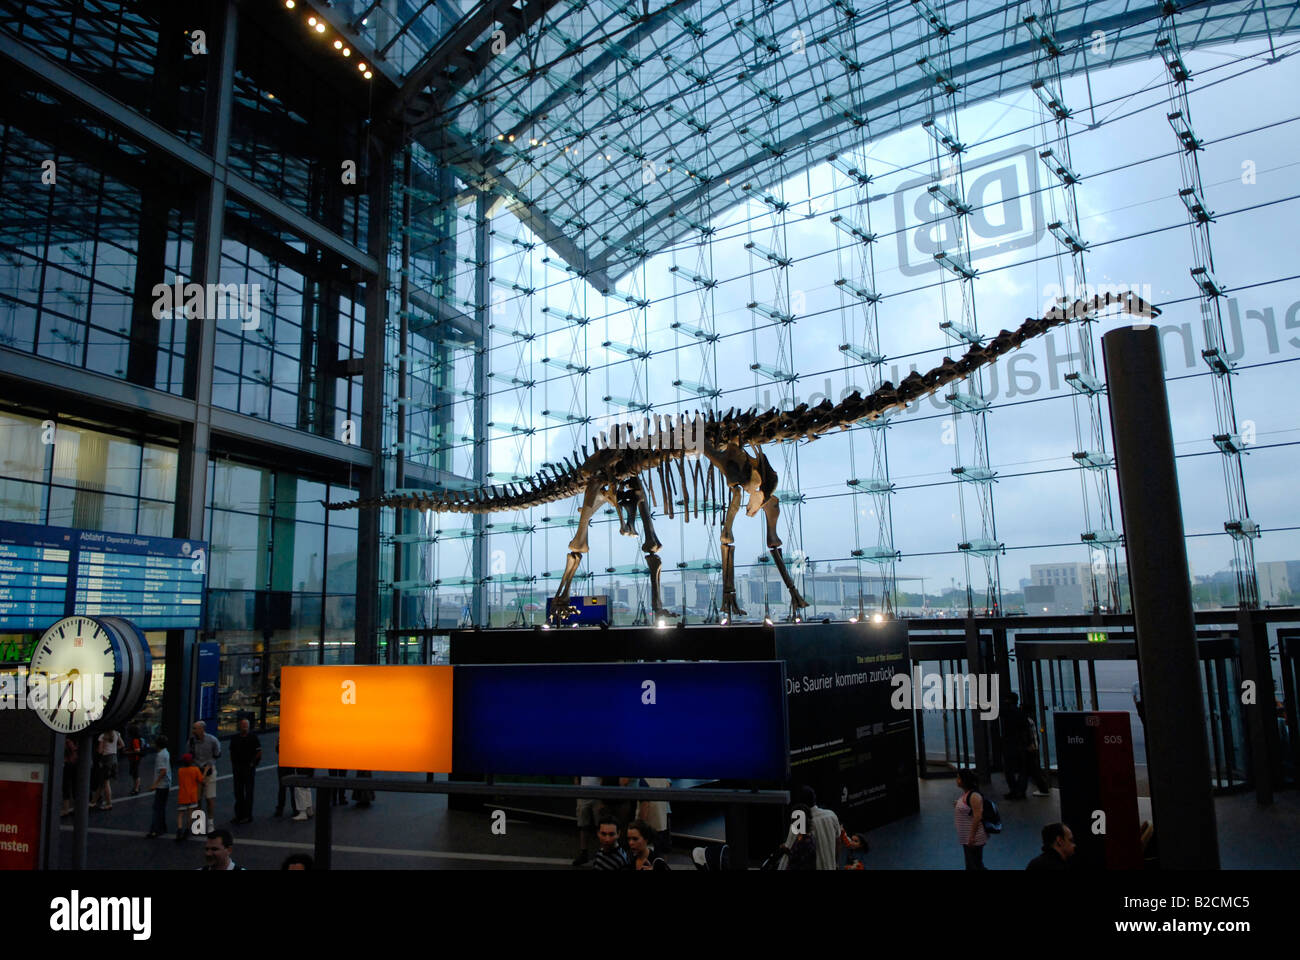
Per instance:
{"type": "Point", "coordinates": [81, 809]}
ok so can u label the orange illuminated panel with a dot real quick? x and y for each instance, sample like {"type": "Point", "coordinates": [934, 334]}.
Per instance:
{"type": "Point", "coordinates": [366, 718]}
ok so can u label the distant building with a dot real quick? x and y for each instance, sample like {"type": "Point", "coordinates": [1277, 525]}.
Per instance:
{"type": "Point", "coordinates": [1061, 588]}
{"type": "Point", "coordinates": [1274, 582]}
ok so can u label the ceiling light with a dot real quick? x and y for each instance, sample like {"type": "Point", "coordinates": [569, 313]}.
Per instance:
{"type": "Point", "coordinates": [289, 4]}
{"type": "Point", "coordinates": [338, 44]}
{"type": "Point", "coordinates": [311, 21]}
{"type": "Point", "coordinates": [878, 618]}
{"type": "Point", "coordinates": [511, 138]}
{"type": "Point", "coordinates": [347, 51]}
{"type": "Point", "coordinates": [533, 141]}
{"type": "Point", "coordinates": [369, 74]}
{"type": "Point", "coordinates": [361, 67]}
{"type": "Point", "coordinates": [320, 28]}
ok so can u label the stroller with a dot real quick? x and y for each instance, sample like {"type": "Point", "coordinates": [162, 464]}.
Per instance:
{"type": "Point", "coordinates": [713, 857]}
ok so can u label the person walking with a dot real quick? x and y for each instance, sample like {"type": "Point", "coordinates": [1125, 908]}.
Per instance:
{"type": "Point", "coordinates": [70, 752]}
{"type": "Point", "coordinates": [657, 813]}
{"type": "Point", "coordinates": [968, 815]}
{"type": "Point", "coordinates": [280, 774]}
{"type": "Point", "coordinates": [302, 797]}
{"type": "Point", "coordinates": [161, 786]}
{"type": "Point", "coordinates": [1015, 747]}
{"type": "Point", "coordinates": [588, 812]}
{"type": "Point", "coordinates": [245, 755]}
{"type": "Point", "coordinates": [134, 750]}
{"type": "Point", "coordinates": [1032, 768]}
{"type": "Point", "coordinates": [110, 741]}
{"type": "Point", "coordinates": [819, 823]}
{"type": "Point", "coordinates": [206, 749]}
{"type": "Point", "coordinates": [189, 793]}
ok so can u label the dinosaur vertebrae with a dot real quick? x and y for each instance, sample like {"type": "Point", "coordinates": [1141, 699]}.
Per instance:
{"type": "Point", "coordinates": [630, 452]}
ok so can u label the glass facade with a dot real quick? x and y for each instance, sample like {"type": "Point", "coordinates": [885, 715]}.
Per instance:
{"type": "Point", "coordinates": [282, 585]}
{"type": "Point", "coordinates": [739, 221]}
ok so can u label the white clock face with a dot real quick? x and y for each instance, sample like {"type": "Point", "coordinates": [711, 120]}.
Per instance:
{"type": "Point", "coordinates": [75, 670]}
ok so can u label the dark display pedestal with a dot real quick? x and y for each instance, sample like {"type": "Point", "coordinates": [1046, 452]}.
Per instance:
{"type": "Point", "coordinates": [846, 740]}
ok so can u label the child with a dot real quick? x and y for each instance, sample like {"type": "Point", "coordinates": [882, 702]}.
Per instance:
{"type": "Point", "coordinates": [189, 783]}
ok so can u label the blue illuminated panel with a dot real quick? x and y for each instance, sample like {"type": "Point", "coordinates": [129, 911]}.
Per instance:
{"type": "Point", "coordinates": [707, 721]}
{"type": "Point", "coordinates": [50, 572]}
{"type": "Point", "coordinates": [35, 569]}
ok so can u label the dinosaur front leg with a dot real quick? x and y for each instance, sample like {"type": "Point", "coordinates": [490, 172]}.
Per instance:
{"type": "Point", "coordinates": [577, 547]}
{"type": "Point", "coordinates": [772, 512]}
{"type": "Point", "coordinates": [651, 548]}
{"type": "Point", "coordinates": [730, 606]}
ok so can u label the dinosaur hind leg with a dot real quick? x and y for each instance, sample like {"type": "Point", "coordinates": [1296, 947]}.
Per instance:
{"type": "Point", "coordinates": [771, 513]}
{"type": "Point", "coordinates": [730, 605]}
{"type": "Point", "coordinates": [653, 563]}
{"type": "Point", "coordinates": [560, 608]}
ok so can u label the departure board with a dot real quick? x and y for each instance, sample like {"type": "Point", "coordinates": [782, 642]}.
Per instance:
{"type": "Point", "coordinates": [51, 572]}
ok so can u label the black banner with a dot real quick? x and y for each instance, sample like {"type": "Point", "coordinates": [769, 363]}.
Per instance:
{"type": "Point", "coordinates": [846, 740]}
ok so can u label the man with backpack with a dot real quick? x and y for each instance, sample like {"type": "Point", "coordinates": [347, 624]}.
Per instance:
{"type": "Point", "coordinates": [1020, 750]}
{"type": "Point", "coordinates": [816, 846]}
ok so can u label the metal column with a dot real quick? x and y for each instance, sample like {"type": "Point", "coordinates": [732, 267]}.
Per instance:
{"type": "Point", "coordinates": [1182, 804]}
{"type": "Point", "coordinates": [205, 267]}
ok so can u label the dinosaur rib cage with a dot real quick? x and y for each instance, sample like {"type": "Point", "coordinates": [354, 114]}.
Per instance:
{"type": "Point", "coordinates": [650, 450]}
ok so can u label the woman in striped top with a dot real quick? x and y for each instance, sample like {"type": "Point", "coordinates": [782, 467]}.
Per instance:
{"type": "Point", "coordinates": [968, 815]}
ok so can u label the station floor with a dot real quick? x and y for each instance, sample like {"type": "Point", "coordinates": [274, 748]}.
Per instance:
{"type": "Point", "coordinates": [417, 831]}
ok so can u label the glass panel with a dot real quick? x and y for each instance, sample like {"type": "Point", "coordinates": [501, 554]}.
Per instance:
{"type": "Point", "coordinates": [21, 502]}
{"type": "Point", "coordinates": [88, 510]}
{"type": "Point", "coordinates": [239, 487]}
{"type": "Point", "coordinates": [22, 453]}
{"type": "Point", "coordinates": [158, 473]}
{"type": "Point", "coordinates": [238, 550]}
{"type": "Point", "coordinates": [96, 461]}
{"type": "Point", "coordinates": [156, 519]}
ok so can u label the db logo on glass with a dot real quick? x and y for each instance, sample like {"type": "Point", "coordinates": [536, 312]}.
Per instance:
{"type": "Point", "coordinates": [1006, 214]}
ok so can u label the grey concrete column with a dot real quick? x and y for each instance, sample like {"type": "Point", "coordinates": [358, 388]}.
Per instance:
{"type": "Point", "coordinates": [979, 729]}
{"type": "Point", "coordinates": [205, 267]}
{"type": "Point", "coordinates": [372, 406]}
{"type": "Point", "coordinates": [1261, 723]}
{"type": "Point", "coordinates": [1182, 803]}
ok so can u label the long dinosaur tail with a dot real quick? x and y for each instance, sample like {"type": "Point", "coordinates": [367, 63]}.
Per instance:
{"type": "Point", "coordinates": [559, 484]}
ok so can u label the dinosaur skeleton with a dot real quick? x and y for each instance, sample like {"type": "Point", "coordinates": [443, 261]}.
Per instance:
{"type": "Point", "coordinates": [622, 470]}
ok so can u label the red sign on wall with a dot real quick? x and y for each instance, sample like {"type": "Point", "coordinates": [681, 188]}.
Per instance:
{"type": "Point", "coordinates": [21, 788]}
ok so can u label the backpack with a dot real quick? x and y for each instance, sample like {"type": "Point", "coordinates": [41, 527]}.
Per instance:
{"type": "Point", "coordinates": [990, 817]}
{"type": "Point", "coordinates": [803, 853]}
